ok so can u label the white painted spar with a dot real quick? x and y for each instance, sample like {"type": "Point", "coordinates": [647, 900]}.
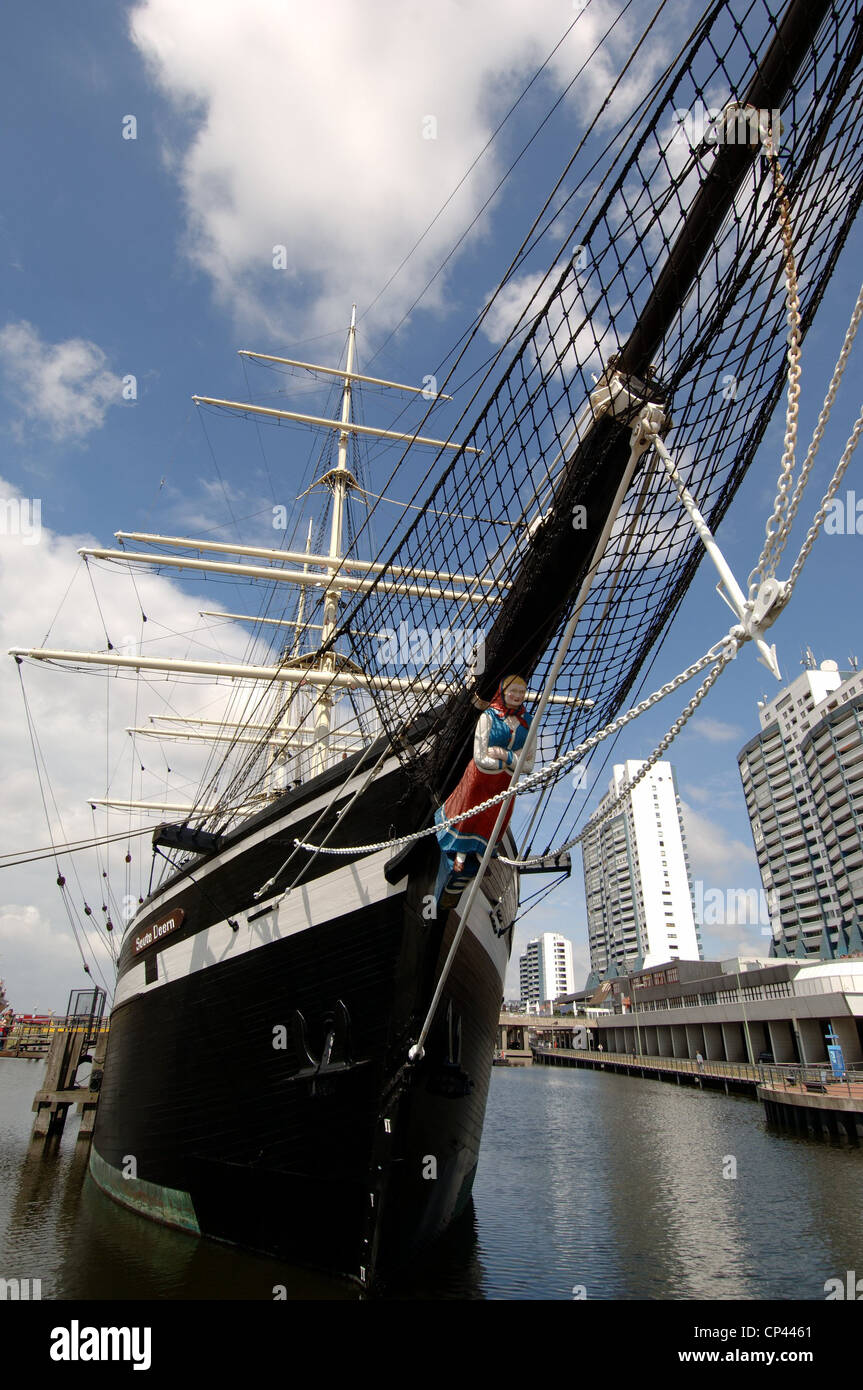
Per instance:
{"type": "Point", "coordinates": [324, 900]}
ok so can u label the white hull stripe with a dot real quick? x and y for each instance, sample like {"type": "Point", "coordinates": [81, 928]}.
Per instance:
{"type": "Point", "coordinates": [324, 900]}
{"type": "Point", "coordinates": [276, 827]}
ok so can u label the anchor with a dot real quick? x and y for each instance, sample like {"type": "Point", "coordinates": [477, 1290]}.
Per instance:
{"type": "Point", "coordinates": [336, 1052]}
{"type": "Point", "coordinates": [449, 1079]}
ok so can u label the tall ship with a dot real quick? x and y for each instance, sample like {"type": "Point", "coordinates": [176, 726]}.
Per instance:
{"type": "Point", "coordinates": [308, 994]}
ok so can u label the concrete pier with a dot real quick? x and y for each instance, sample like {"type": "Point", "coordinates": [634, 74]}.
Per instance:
{"type": "Point", "coordinates": [514, 1039]}
{"type": "Point", "coordinates": [832, 1108]}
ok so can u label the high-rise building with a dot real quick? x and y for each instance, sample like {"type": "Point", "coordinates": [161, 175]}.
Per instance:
{"type": "Point", "coordinates": [545, 970]}
{"type": "Point", "coordinates": [637, 879]}
{"type": "Point", "coordinates": [803, 782]}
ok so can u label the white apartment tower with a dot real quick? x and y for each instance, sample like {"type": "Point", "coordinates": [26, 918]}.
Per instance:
{"type": "Point", "coordinates": [803, 782]}
{"type": "Point", "coordinates": [545, 970]}
{"type": "Point", "coordinates": [637, 879]}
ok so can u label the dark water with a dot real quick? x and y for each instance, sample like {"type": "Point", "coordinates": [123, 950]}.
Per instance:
{"type": "Point", "coordinates": [587, 1181]}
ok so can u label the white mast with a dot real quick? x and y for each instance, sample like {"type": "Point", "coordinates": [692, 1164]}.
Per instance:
{"type": "Point", "coordinates": [274, 575]}
{"type": "Point", "coordinates": [340, 479]}
{"type": "Point", "coordinates": [279, 756]}
{"type": "Point", "coordinates": [319, 674]}
{"type": "Point", "coordinates": [303, 557]}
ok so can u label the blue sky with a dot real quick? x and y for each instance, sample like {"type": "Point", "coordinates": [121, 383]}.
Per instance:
{"type": "Point", "coordinates": [272, 124]}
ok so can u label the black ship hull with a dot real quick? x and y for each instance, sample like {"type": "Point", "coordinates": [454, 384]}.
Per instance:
{"type": "Point", "coordinates": [257, 1087]}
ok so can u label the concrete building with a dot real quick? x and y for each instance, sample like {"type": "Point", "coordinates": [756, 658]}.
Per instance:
{"type": "Point", "coordinates": [545, 970]}
{"type": "Point", "coordinates": [735, 1011]}
{"type": "Point", "coordinates": [803, 782]}
{"type": "Point", "coordinates": [637, 879]}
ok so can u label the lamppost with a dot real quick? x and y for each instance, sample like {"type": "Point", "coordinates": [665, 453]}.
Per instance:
{"type": "Point", "coordinates": [749, 1053]}
{"type": "Point", "coordinates": [635, 1011]}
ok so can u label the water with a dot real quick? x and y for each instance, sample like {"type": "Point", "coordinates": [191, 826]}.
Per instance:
{"type": "Point", "coordinates": [590, 1185]}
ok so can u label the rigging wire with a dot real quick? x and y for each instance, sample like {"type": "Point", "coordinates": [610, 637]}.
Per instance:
{"type": "Point", "coordinates": [218, 472]}
{"type": "Point", "coordinates": [41, 766]}
{"type": "Point", "coordinates": [108, 641]}
{"type": "Point", "coordinates": [166, 856]}
{"type": "Point", "coordinates": [471, 333]}
{"type": "Point", "coordinates": [508, 173]}
{"type": "Point", "coordinates": [258, 433]}
{"type": "Point", "coordinates": [516, 261]}
{"type": "Point", "coordinates": [466, 175]}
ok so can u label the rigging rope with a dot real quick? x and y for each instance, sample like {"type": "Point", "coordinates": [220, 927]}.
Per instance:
{"type": "Point", "coordinates": [726, 650]}
{"type": "Point", "coordinates": [39, 761]}
{"type": "Point", "coordinates": [543, 774]}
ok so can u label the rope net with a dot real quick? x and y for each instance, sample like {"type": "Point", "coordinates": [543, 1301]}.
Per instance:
{"type": "Point", "coordinates": [673, 275]}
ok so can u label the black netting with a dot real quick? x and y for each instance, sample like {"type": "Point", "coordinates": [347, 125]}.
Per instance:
{"type": "Point", "coordinates": [674, 276]}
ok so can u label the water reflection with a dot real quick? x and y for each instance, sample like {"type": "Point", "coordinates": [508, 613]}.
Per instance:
{"type": "Point", "coordinates": [586, 1180]}
{"type": "Point", "coordinates": [628, 1193]}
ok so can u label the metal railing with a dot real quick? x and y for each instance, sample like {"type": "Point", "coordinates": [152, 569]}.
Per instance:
{"type": "Point", "coordinates": [34, 1039]}
{"type": "Point", "coordinates": [790, 1075]}
{"type": "Point", "coordinates": [816, 1077]}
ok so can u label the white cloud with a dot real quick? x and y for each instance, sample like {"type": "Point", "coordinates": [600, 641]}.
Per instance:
{"type": "Point", "coordinates": [309, 125]}
{"type": "Point", "coordinates": [38, 957]}
{"type": "Point", "coordinates": [715, 730]}
{"type": "Point", "coordinates": [518, 303]}
{"type": "Point", "coordinates": [720, 792]}
{"type": "Point", "coordinates": [64, 388]}
{"type": "Point", "coordinates": [726, 939]}
{"type": "Point", "coordinates": [581, 338]}
{"type": "Point", "coordinates": [714, 854]}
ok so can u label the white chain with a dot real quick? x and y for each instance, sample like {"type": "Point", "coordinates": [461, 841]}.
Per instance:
{"type": "Point", "coordinates": [818, 434]}
{"type": "Point", "coordinates": [851, 445]}
{"type": "Point", "coordinates": [777, 521]}
{"type": "Point", "coordinates": [550, 770]}
{"type": "Point", "coordinates": [721, 653]}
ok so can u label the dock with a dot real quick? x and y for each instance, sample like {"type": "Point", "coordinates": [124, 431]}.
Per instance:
{"type": "Point", "coordinates": [727, 1076]}
{"type": "Point", "coordinates": [60, 1092]}
{"type": "Point", "coordinates": [807, 1099]}
{"type": "Point", "coordinates": [82, 1038]}
{"type": "Point", "coordinates": [832, 1108]}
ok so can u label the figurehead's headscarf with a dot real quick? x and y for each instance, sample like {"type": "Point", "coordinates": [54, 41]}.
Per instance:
{"type": "Point", "coordinates": [499, 703]}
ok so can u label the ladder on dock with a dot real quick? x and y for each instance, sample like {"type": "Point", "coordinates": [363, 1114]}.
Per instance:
{"type": "Point", "coordinates": [84, 1039]}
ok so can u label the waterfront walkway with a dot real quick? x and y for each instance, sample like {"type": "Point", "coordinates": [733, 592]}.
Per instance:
{"type": "Point", "coordinates": [746, 1075]}
{"type": "Point", "coordinates": [798, 1097]}
{"type": "Point", "coordinates": [727, 1075]}
{"type": "Point", "coordinates": [834, 1108]}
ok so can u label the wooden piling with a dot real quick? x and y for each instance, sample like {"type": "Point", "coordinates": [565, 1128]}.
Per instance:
{"type": "Point", "coordinates": [60, 1092]}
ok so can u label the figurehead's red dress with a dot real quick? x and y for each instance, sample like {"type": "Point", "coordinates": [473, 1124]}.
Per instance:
{"type": "Point", "coordinates": [500, 733]}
